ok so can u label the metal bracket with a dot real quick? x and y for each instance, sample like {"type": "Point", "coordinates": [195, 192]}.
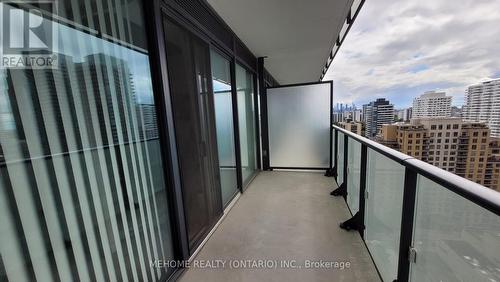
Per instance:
{"type": "Point", "coordinates": [341, 191]}
{"type": "Point", "coordinates": [412, 255]}
{"type": "Point", "coordinates": [355, 223]}
{"type": "Point", "coordinates": [330, 172]}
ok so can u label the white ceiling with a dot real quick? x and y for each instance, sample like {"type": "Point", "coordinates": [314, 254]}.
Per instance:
{"type": "Point", "coordinates": [295, 35]}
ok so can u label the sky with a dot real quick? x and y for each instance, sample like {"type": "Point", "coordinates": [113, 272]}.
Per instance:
{"type": "Point", "coordinates": [400, 49]}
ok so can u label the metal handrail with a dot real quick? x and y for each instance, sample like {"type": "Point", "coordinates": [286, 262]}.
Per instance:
{"type": "Point", "coordinates": [476, 193]}
{"type": "Point", "coordinates": [471, 191]}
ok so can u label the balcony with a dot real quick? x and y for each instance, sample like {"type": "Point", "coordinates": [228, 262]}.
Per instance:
{"type": "Point", "coordinates": [162, 136]}
{"type": "Point", "coordinates": [284, 217]}
{"type": "Point", "coordinates": [406, 220]}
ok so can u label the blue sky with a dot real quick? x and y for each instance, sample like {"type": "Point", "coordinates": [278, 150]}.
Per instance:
{"type": "Point", "coordinates": [400, 49]}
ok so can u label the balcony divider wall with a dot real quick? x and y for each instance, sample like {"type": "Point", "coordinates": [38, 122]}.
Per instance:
{"type": "Point", "coordinates": [418, 222]}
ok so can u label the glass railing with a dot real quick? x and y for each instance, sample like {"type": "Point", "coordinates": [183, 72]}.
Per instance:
{"type": "Point", "coordinates": [419, 222]}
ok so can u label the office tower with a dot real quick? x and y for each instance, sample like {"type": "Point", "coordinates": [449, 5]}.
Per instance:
{"type": "Point", "coordinates": [377, 113]}
{"type": "Point", "coordinates": [482, 104]}
{"type": "Point", "coordinates": [432, 104]}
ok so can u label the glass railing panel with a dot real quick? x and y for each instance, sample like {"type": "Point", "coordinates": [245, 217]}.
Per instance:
{"type": "Point", "coordinates": [455, 239]}
{"type": "Point", "coordinates": [353, 174]}
{"type": "Point", "coordinates": [383, 206]}
{"type": "Point", "coordinates": [340, 158]}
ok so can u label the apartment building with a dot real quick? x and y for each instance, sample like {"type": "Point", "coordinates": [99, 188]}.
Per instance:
{"type": "Point", "coordinates": [412, 140]}
{"type": "Point", "coordinates": [460, 147]}
{"type": "Point", "coordinates": [492, 176]}
{"type": "Point", "coordinates": [472, 155]}
{"type": "Point", "coordinates": [443, 140]}
{"type": "Point", "coordinates": [432, 104]}
{"type": "Point", "coordinates": [388, 136]}
{"type": "Point", "coordinates": [375, 114]}
{"type": "Point", "coordinates": [482, 104]}
{"type": "Point", "coordinates": [352, 126]}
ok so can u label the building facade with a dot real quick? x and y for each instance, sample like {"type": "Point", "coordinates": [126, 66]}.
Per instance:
{"type": "Point", "coordinates": [482, 104]}
{"type": "Point", "coordinates": [376, 114]}
{"type": "Point", "coordinates": [355, 127]}
{"type": "Point", "coordinates": [432, 104]}
{"type": "Point", "coordinates": [492, 177]}
{"type": "Point", "coordinates": [463, 148]}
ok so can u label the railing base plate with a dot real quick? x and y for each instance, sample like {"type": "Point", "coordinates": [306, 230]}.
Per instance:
{"type": "Point", "coordinates": [354, 223]}
{"type": "Point", "coordinates": [341, 191]}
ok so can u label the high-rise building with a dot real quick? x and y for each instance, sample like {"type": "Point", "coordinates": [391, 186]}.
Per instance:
{"type": "Point", "coordinates": [375, 114]}
{"type": "Point", "coordinates": [432, 104]}
{"type": "Point", "coordinates": [482, 104]}
{"type": "Point", "coordinates": [404, 114]}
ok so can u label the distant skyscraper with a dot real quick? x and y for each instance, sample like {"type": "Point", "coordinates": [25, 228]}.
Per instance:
{"type": "Point", "coordinates": [375, 114]}
{"type": "Point", "coordinates": [432, 104]}
{"type": "Point", "coordinates": [482, 104]}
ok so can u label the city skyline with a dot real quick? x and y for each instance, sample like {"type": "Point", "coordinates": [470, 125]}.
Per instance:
{"type": "Point", "coordinates": [418, 47]}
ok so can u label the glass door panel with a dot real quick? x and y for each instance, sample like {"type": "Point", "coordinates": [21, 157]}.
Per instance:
{"type": "Point", "coordinates": [246, 122]}
{"type": "Point", "coordinates": [221, 82]}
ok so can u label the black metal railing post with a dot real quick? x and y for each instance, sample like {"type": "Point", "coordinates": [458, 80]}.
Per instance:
{"type": "Point", "coordinates": [357, 221]}
{"type": "Point", "coordinates": [408, 212]}
{"type": "Point", "coordinates": [333, 141]}
{"type": "Point", "coordinates": [336, 152]}
{"type": "Point", "coordinates": [362, 188]}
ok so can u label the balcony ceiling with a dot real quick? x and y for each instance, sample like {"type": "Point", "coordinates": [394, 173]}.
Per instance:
{"type": "Point", "coordinates": [295, 35]}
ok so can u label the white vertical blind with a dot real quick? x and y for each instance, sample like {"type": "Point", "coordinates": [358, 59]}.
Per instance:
{"type": "Point", "coordinates": [82, 195]}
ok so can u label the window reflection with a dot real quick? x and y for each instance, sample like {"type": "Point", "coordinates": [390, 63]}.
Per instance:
{"type": "Point", "coordinates": [82, 191]}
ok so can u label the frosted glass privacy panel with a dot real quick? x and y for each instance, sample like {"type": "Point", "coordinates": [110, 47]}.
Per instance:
{"type": "Point", "coordinates": [353, 174]}
{"type": "Point", "coordinates": [340, 158]}
{"type": "Point", "coordinates": [384, 184]}
{"type": "Point", "coordinates": [299, 126]}
{"type": "Point", "coordinates": [455, 239]}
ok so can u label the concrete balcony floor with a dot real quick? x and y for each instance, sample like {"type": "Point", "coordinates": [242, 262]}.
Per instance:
{"type": "Point", "coordinates": [285, 216]}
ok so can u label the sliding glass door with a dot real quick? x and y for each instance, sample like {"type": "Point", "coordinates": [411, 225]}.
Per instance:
{"type": "Point", "coordinates": [188, 59]}
{"type": "Point", "coordinates": [246, 122]}
{"type": "Point", "coordinates": [82, 189]}
{"type": "Point", "coordinates": [223, 103]}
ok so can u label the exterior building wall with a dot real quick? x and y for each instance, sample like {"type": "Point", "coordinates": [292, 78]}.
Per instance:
{"type": "Point", "coordinates": [355, 127]}
{"type": "Point", "coordinates": [376, 114]}
{"type": "Point", "coordinates": [432, 104]}
{"type": "Point", "coordinates": [463, 148]}
{"type": "Point", "coordinates": [482, 104]}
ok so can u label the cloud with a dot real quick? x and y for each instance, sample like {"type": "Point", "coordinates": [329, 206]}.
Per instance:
{"type": "Point", "coordinates": [400, 49]}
